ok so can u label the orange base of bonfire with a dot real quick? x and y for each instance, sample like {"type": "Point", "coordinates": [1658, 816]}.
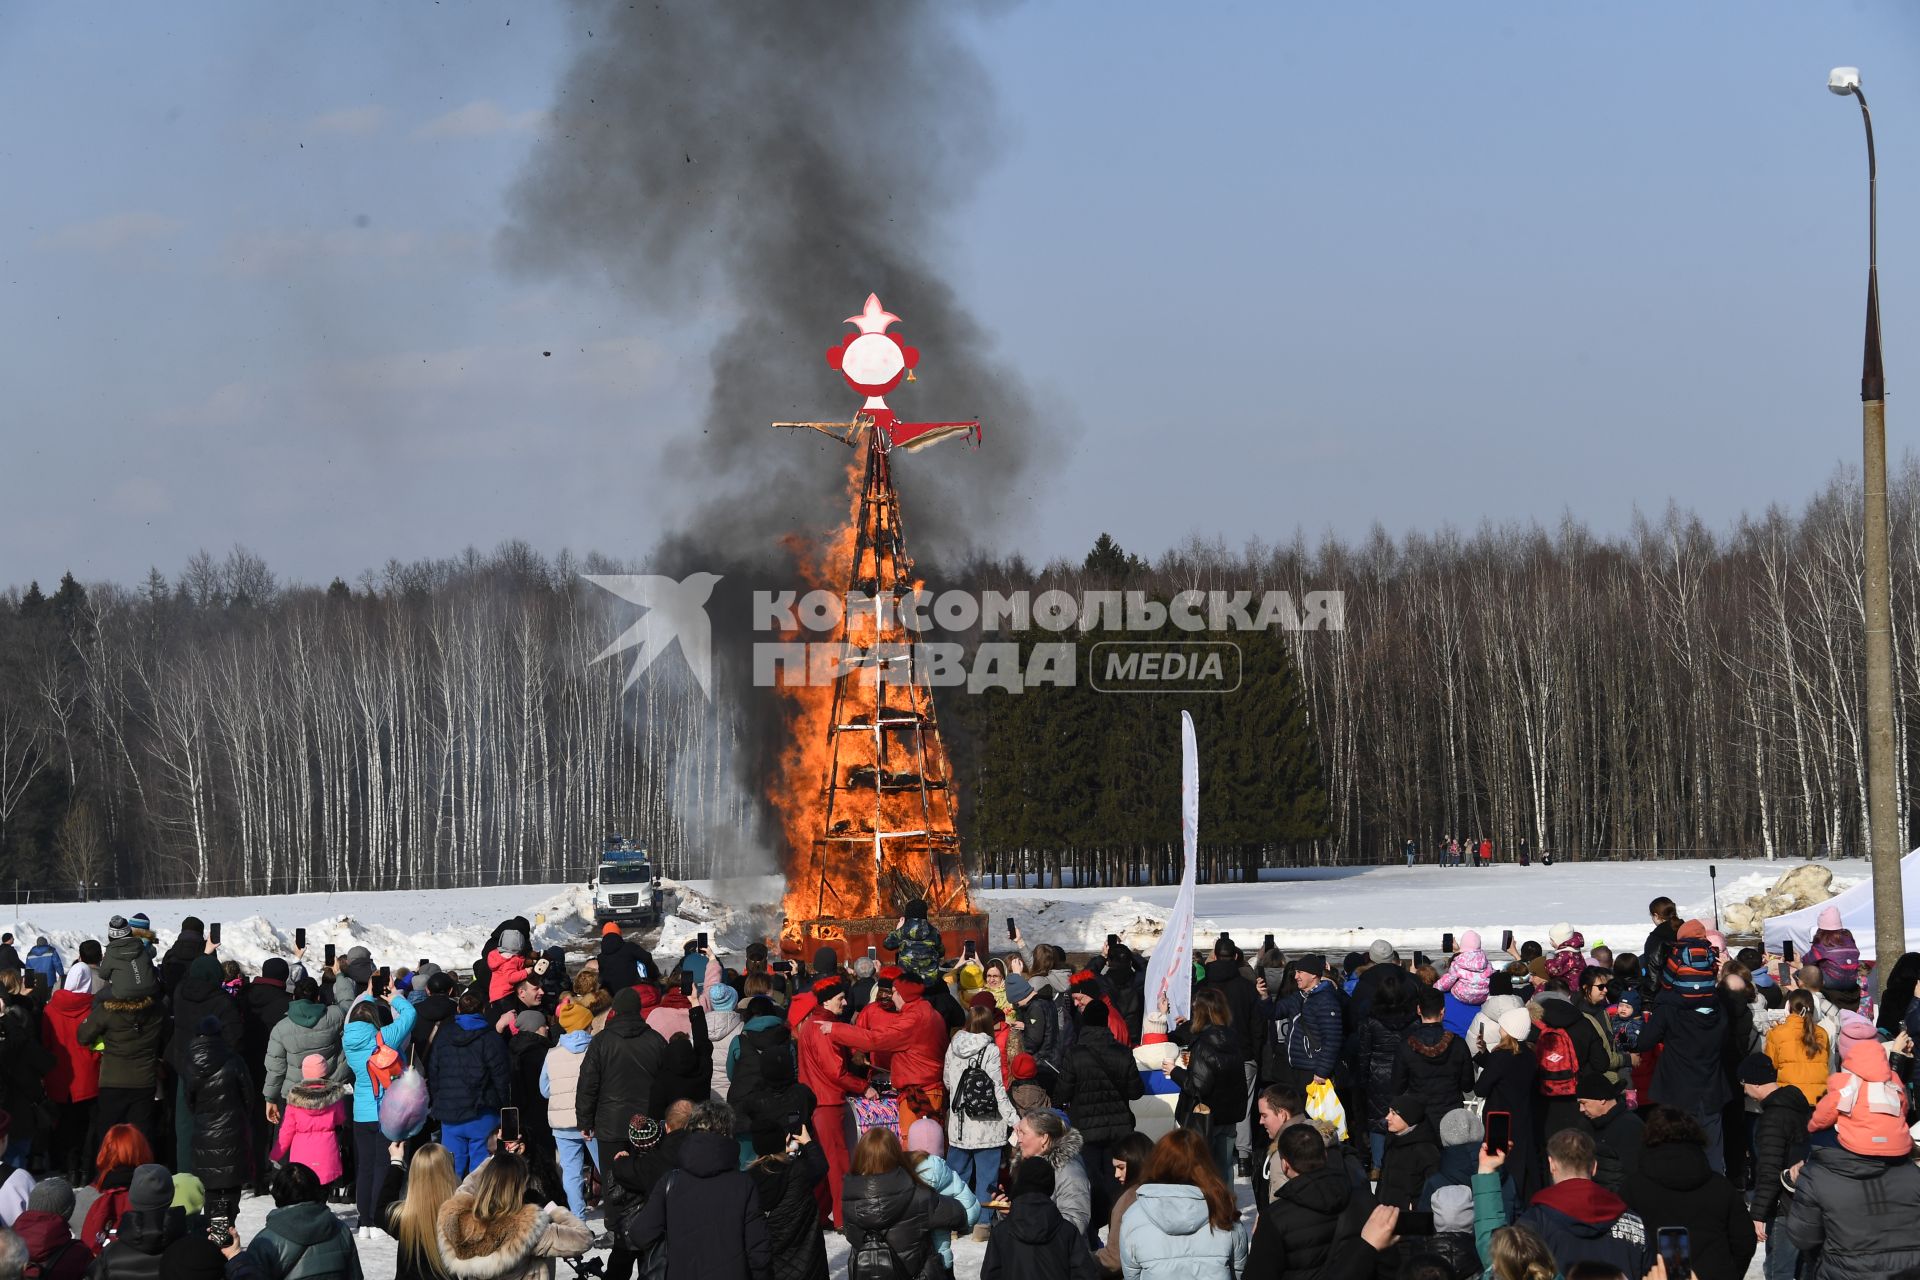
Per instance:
{"type": "Point", "coordinates": [851, 938]}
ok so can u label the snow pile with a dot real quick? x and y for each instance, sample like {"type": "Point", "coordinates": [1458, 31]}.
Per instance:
{"type": "Point", "coordinates": [447, 926]}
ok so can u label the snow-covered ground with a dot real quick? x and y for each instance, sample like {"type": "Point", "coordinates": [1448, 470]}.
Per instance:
{"type": "Point", "coordinates": [1328, 909]}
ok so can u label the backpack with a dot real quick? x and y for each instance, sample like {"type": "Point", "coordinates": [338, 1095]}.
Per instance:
{"type": "Point", "coordinates": [653, 1258]}
{"type": "Point", "coordinates": [384, 1065]}
{"type": "Point", "coordinates": [1691, 969]}
{"type": "Point", "coordinates": [51, 1263]}
{"type": "Point", "coordinates": [1616, 1070]}
{"type": "Point", "coordinates": [974, 1097]}
{"type": "Point", "coordinates": [1559, 1066]}
{"type": "Point", "coordinates": [876, 1260]}
{"type": "Point", "coordinates": [103, 1218]}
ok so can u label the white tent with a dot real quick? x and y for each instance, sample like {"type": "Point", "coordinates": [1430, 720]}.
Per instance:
{"type": "Point", "coordinates": [1856, 913]}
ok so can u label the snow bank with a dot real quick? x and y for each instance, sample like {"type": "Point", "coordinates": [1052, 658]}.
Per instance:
{"type": "Point", "coordinates": [1334, 909]}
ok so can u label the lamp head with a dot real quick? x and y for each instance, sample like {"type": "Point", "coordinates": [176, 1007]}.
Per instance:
{"type": "Point", "coordinates": [1843, 80]}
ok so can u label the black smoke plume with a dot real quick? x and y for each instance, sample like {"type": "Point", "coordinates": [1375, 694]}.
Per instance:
{"type": "Point", "coordinates": [773, 163]}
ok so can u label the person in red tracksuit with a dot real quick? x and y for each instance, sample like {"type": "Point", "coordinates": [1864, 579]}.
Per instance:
{"type": "Point", "coordinates": [881, 1015]}
{"type": "Point", "coordinates": [916, 1066]}
{"type": "Point", "coordinates": [824, 1052]}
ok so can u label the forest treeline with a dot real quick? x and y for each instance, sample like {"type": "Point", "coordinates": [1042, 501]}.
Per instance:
{"type": "Point", "coordinates": [1668, 692]}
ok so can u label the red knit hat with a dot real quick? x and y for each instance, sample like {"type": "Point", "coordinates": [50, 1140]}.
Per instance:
{"type": "Point", "coordinates": [1024, 1067]}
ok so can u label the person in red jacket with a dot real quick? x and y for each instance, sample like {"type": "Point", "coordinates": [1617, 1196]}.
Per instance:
{"type": "Point", "coordinates": [916, 1066]}
{"type": "Point", "coordinates": [826, 964]}
{"type": "Point", "coordinates": [825, 1046]}
{"type": "Point", "coordinates": [74, 1081]}
{"type": "Point", "coordinates": [880, 1015]}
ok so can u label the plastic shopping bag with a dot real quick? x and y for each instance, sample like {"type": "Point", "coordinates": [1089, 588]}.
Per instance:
{"type": "Point", "coordinates": [1324, 1104]}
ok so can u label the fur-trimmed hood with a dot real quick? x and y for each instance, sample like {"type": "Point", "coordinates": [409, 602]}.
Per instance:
{"type": "Point", "coordinates": [315, 1097]}
{"type": "Point", "coordinates": [473, 1250]}
{"type": "Point", "coordinates": [1067, 1150]}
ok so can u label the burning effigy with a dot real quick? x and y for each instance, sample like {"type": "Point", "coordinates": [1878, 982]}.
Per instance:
{"type": "Point", "coordinates": [864, 791]}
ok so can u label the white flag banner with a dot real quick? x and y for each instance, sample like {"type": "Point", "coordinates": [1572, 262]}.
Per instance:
{"type": "Point", "coordinates": [1170, 968]}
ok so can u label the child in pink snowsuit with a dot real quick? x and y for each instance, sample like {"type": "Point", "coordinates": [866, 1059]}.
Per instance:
{"type": "Point", "coordinates": [315, 1113]}
{"type": "Point", "coordinates": [506, 966]}
{"type": "Point", "coordinates": [1469, 974]}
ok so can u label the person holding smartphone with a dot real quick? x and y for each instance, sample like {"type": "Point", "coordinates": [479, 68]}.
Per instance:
{"type": "Point", "coordinates": [380, 1024]}
{"type": "Point", "coordinates": [1580, 1220]}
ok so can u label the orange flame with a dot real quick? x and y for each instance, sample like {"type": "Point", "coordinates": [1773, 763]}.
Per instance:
{"type": "Point", "coordinates": [842, 878]}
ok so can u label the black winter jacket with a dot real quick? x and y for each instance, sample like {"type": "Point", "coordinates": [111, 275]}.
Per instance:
{"type": "Point", "coordinates": [199, 995]}
{"type": "Point", "coordinates": [1048, 1017]}
{"type": "Point", "coordinates": [708, 1213]}
{"type": "Point", "coordinates": [1435, 1067]}
{"type": "Point", "coordinates": [24, 1064]}
{"type": "Point", "coordinates": [774, 1096]}
{"type": "Point", "coordinates": [186, 948]}
{"type": "Point", "coordinates": [906, 1211]}
{"type": "Point", "coordinates": [785, 1188]}
{"type": "Point", "coordinates": [1033, 1242]}
{"type": "Point", "coordinates": [220, 1095]}
{"type": "Point", "coordinates": [140, 1237]}
{"type": "Point", "coordinates": [619, 963]}
{"type": "Point", "coordinates": [470, 1074]}
{"type": "Point", "coordinates": [1242, 1000]}
{"type": "Point", "coordinates": [1616, 1145]}
{"type": "Point", "coordinates": [263, 1002]}
{"type": "Point", "coordinates": [1507, 1083]}
{"type": "Point", "coordinates": [1691, 1072]}
{"type": "Point", "coordinates": [1097, 1085]}
{"type": "Point", "coordinates": [1214, 1076]}
{"type": "Point", "coordinates": [1779, 1143]}
{"type": "Point", "coordinates": [428, 1016]}
{"type": "Point", "coordinates": [616, 1075]}
{"type": "Point", "coordinates": [1410, 1159]}
{"type": "Point", "coordinates": [1674, 1187]}
{"type": "Point", "coordinates": [686, 1069]}
{"type": "Point", "coordinates": [761, 1040]}
{"type": "Point", "coordinates": [1858, 1211]}
{"type": "Point", "coordinates": [1375, 1054]}
{"type": "Point", "coordinates": [1308, 1222]}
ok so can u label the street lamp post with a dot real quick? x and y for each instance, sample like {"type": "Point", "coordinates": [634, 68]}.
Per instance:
{"type": "Point", "coordinates": [1886, 830]}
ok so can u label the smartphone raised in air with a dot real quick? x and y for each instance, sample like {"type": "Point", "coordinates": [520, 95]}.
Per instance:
{"type": "Point", "coordinates": [1446, 944]}
{"type": "Point", "coordinates": [300, 939]}
{"type": "Point", "coordinates": [1675, 1248]}
{"type": "Point", "coordinates": [213, 933]}
{"type": "Point", "coordinates": [1499, 1131]}
{"type": "Point", "coordinates": [509, 1124]}
{"type": "Point", "coordinates": [1013, 930]}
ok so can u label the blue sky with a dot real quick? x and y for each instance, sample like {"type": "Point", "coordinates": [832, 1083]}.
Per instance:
{"type": "Point", "coordinates": [1271, 267]}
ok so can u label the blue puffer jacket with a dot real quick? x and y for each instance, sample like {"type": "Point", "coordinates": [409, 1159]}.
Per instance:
{"type": "Point", "coordinates": [1166, 1235]}
{"type": "Point", "coordinates": [939, 1175]}
{"type": "Point", "coordinates": [357, 1044]}
{"type": "Point", "coordinates": [468, 1075]}
{"type": "Point", "coordinates": [45, 960]}
{"type": "Point", "coordinates": [1317, 1013]}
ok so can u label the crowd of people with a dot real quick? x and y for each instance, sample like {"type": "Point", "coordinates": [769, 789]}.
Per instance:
{"type": "Point", "coordinates": [1559, 1113]}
